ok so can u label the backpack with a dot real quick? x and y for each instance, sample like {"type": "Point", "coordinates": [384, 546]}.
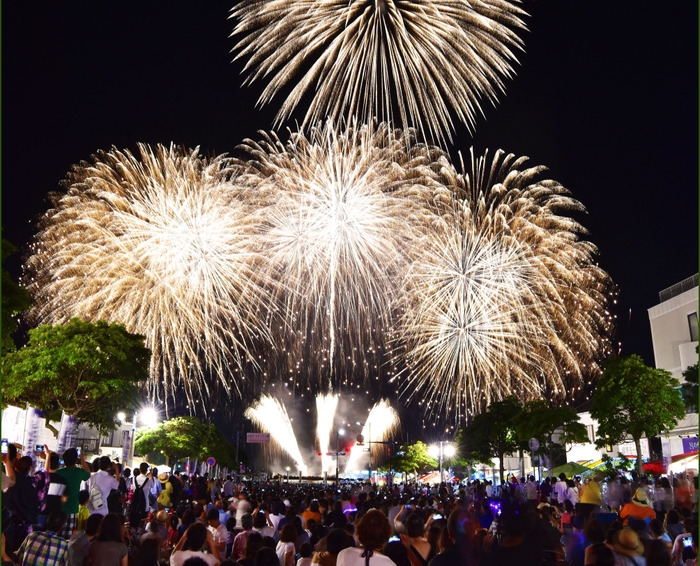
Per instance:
{"type": "Point", "coordinates": [96, 501]}
{"type": "Point", "coordinates": [138, 500]}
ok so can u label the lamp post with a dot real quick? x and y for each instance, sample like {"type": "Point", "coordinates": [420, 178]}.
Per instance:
{"type": "Point", "coordinates": [287, 474]}
{"type": "Point", "coordinates": [369, 444]}
{"type": "Point", "coordinates": [338, 433]}
{"type": "Point", "coordinates": [439, 452]}
{"type": "Point", "coordinates": [149, 417]}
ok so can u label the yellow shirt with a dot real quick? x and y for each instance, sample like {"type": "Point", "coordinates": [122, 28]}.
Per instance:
{"type": "Point", "coordinates": [83, 514]}
{"type": "Point", "coordinates": [164, 497]}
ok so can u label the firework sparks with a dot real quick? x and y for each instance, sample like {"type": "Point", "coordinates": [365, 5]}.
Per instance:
{"type": "Point", "coordinates": [326, 406]}
{"type": "Point", "coordinates": [339, 212]}
{"type": "Point", "coordinates": [271, 416]}
{"type": "Point", "coordinates": [381, 423]}
{"type": "Point", "coordinates": [364, 59]}
{"type": "Point", "coordinates": [161, 245]}
{"type": "Point", "coordinates": [505, 299]}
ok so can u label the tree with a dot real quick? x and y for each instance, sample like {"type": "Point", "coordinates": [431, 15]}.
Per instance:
{"type": "Point", "coordinates": [186, 437]}
{"type": "Point", "coordinates": [634, 400]}
{"type": "Point", "coordinates": [15, 300]}
{"type": "Point", "coordinates": [690, 387]}
{"type": "Point", "coordinates": [492, 434]}
{"type": "Point", "coordinates": [413, 459]}
{"type": "Point", "coordinates": [554, 427]}
{"type": "Point", "coordinates": [89, 370]}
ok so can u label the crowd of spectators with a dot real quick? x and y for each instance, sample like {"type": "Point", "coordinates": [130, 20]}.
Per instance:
{"type": "Point", "coordinates": [74, 512]}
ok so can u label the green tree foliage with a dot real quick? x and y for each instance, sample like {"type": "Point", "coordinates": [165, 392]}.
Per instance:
{"type": "Point", "coordinates": [186, 437]}
{"type": "Point", "coordinates": [492, 434]}
{"type": "Point", "coordinates": [89, 370]}
{"type": "Point", "coordinates": [15, 300]}
{"type": "Point", "coordinates": [634, 400]}
{"type": "Point", "coordinates": [554, 427]}
{"type": "Point", "coordinates": [690, 388]}
{"type": "Point", "coordinates": [413, 459]}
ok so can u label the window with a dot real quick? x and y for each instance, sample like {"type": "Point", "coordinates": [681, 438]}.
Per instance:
{"type": "Point", "coordinates": [693, 326]}
{"type": "Point", "coordinates": [591, 433]}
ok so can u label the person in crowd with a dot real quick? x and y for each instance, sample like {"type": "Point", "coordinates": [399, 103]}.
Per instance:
{"type": "Point", "coordinates": [657, 554]}
{"type": "Point", "coordinates": [266, 557]}
{"type": "Point", "coordinates": [74, 476]}
{"type": "Point", "coordinates": [336, 518]}
{"type": "Point", "coordinates": [22, 502]}
{"type": "Point", "coordinates": [312, 513]}
{"type": "Point", "coordinates": [419, 550]}
{"type": "Point", "coordinates": [373, 531]}
{"type": "Point", "coordinates": [50, 486]}
{"type": "Point", "coordinates": [261, 525]}
{"type": "Point", "coordinates": [336, 541]}
{"type": "Point", "coordinates": [254, 543]}
{"type": "Point", "coordinates": [638, 508]}
{"type": "Point", "coordinates": [46, 548]}
{"type": "Point", "coordinates": [166, 492]}
{"type": "Point", "coordinates": [629, 550]}
{"type": "Point", "coordinates": [239, 543]}
{"type": "Point", "coordinates": [105, 483]}
{"type": "Point", "coordinates": [673, 523]}
{"type": "Point", "coordinates": [108, 548]}
{"type": "Point", "coordinates": [305, 551]}
{"type": "Point", "coordinates": [657, 532]}
{"type": "Point", "coordinates": [196, 536]}
{"type": "Point", "coordinates": [590, 496]}
{"type": "Point", "coordinates": [140, 505]}
{"type": "Point", "coordinates": [83, 511]}
{"type": "Point", "coordinates": [217, 530]}
{"type": "Point", "coordinates": [600, 555]}
{"type": "Point", "coordinates": [285, 547]}
{"type": "Point", "coordinates": [79, 543]}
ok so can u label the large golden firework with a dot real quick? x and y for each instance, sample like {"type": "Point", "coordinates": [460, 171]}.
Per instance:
{"type": "Point", "coordinates": [339, 210]}
{"type": "Point", "coordinates": [373, 59]}
{"type": "Point", "coordinates": [162, 245]}
{"type": "Point", "coordinates": [504, 297]}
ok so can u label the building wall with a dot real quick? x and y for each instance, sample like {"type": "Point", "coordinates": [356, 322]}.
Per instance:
{"type": "Point", "coordinates": [674, 348]}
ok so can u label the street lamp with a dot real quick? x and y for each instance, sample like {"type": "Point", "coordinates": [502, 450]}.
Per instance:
{"type": "Point", "coordinates": [338, 433]}
{"type": "Point", "coordinates": [369, 444]}
{"type": "Point", "coordinates": [148, 417]}
{"type": "Point", "coordinates": [439, 452]}
{"type": "Point", "coordinates": [287, 474]}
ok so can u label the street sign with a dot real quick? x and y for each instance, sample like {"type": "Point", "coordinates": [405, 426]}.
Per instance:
{"type": "Point", "coordinates": [534, 444]}
{"type": "Point", "coordinates": [211, 461]}
{"type": "Point", "coordinates": [258, 438]}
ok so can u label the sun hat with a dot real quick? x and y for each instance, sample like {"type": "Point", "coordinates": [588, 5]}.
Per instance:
{"type": "Point", "coordinates": [162, 516]}
{"type": "Point", "coordinates": [627, 542]}
{"type": "Point", "coordinates": [640, 498]}
{"type": "Point", "coordinates": [163, 477]}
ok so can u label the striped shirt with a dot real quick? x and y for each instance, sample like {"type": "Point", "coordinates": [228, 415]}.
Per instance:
{"type": "Point", "coordinates": [44, 549]}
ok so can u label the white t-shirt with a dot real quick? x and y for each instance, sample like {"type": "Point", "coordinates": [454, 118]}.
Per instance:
{"type": "Point", "coordinates": [282, 549]}
{"type": "Point", "coordinates": [353, 557]}
{"type": "Point", "coordinates": [220, 534]}
{"type": "Point", "coordinates": [105, 483]}
{"type": "Point", "coordinates": [178, 558]}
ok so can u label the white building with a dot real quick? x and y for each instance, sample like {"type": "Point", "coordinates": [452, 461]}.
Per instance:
{"type": "Point", "coordinates": [674, 334]}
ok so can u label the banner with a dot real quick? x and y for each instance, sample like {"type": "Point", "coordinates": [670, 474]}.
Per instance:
{"type": "Point", "coordinates": [31, 434]}
{"type": "Point", "coordinates": [690, 444]}
{"type": "Point", "coordinates": [258, 438]}
{"type": "Point", "coordinates": [126, 448]}
{"type": "Point", "coordinates": [666, 454]}
{"type": "Point", "coordinates": [67, 435]}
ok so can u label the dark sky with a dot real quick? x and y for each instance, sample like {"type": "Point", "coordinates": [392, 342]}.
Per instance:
{"type": "Point", "coordinates": [605, 97]}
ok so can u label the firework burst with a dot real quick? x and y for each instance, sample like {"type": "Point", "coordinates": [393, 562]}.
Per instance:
{"type": "Point", "coordinates": [366, 58]}
{"type": "Point", "coordinates": [271, 416]}
{"type": "Point", "coordinates": [339, 210]}
{"type": "Point", "coordinates": [504, 298]}
{"type": "Point", "coordinates": [161, 245]}
{"type": "Point", "coordinates": [326, 406]}
{"type": "Point", "coordinates": [382, 421]}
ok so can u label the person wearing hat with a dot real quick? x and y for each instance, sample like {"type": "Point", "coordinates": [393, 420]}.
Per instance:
{"type": "Point", "coordinates": [628, 548]}
{"type": "Point", "coordinates": [638, 508]}
{"type": "Point", "coordinates": [166, 491]}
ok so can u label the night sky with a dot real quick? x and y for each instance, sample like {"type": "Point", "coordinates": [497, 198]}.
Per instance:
{"type": "Point", "coordinates": [605, 97]}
